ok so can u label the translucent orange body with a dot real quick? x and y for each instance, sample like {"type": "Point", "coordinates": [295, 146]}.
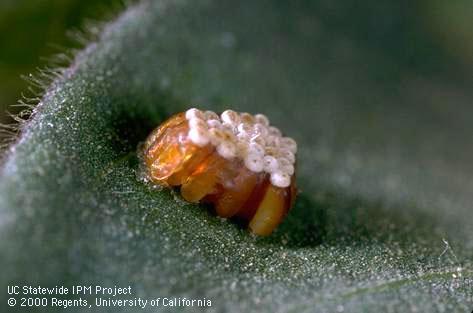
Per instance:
{"type": "Point", "coordinates": [204, 176]}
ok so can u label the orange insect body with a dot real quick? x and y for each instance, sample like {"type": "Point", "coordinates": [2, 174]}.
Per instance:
{"type": "Point", "coordinates": [237, 162]}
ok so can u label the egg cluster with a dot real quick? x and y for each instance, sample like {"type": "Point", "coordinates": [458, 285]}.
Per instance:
{"type": "Point", "coordinates": [248, 137]}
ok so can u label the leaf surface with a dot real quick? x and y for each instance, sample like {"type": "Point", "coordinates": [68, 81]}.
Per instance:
{"type": "Point", "coordinates": [383, 220]}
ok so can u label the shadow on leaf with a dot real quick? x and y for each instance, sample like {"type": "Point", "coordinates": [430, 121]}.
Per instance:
{"type": "Point", "coordinates": [333, 218]}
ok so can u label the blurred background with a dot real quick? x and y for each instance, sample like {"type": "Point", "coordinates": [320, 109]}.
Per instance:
{"type": "Point", "coordinates": [31, 31]}
{"type": "Point", "coordinates": [434, 38]}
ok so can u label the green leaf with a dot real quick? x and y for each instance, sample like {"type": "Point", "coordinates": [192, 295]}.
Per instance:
{"type": "Point", "coordinates": [383, 220]}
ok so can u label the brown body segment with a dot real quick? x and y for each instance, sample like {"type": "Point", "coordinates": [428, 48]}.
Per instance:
{"type": "Point", "coordinates": [236, 194]}
{"type": "Point", "coordinates": [204, 179]}
{"type": "Point", "coordinates": [271, 210]}
{"type": "Point", "coordinates": [203, 175]}
{"type": "Point", "coordinates": [252, 203]}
